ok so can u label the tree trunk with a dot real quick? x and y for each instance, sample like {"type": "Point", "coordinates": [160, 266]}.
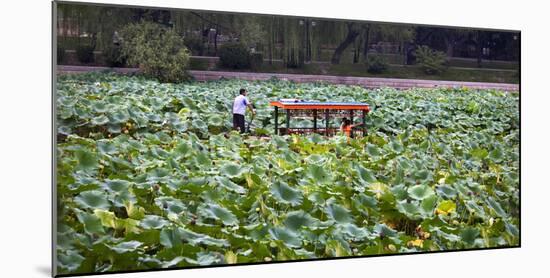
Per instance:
{"type": "Point", "coordinates": [350, 38]}
{"type": "Point", "coordinates": [366, 44]}
{"type": "Point", "coordinates": [357, 50]}
{"type": "Point", "coordinates": [479, 50]}
{"type": "Point", "coordinates": [271, 42]}
{"type": "Point", "coordinates": [216, 41]}
{"type": "Point", "coordinates": [449, 42]}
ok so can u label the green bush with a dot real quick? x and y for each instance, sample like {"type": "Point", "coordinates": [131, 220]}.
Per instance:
{"type": "Point", "coordinates": [431, 61]}
{"type": "Point", "coordinates": [194, 44]}
{"type": "Point", "coordinates": [234, 56]}
{"type": "Point", "coordinates": [60, 54]}
{"type": "Point", "coordinates": [256, 60]}
{"type": "Point", "coordinates": [113, 56]}
{"type": "Point", "coordinates": [376, 64]}
{"type": "Point", "coordinates": [198, 64]}
{"type": "Point", "coordinates": [160, 52]}
{"type": "Point", "coordinates": [85, 53]}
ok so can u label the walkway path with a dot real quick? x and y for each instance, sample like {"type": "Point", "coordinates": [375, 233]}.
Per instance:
{"type": "Point", "coordinates": [369, 82]}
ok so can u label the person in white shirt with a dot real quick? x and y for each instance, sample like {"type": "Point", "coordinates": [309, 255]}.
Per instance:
{"type": "Point", "coordinates": [239, 108]}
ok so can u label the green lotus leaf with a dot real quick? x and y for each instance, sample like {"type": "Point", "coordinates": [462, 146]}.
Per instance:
{"type": "Point", "coordinates": [229, 185]}
{"type": "Point", "coordinates": [231, 170]}
{"type": "Point", "coordinates": [86, 160]}
{"type": "Point", "coordinates": [92, 199]}
{"type": "Point", "coordinates": [92, 224]}
{"type": "Point", "coordinates": [128, 225]}
{"type": "Point", "coordinates": [422, 175]}
{"type": "Point", "coordinates": [399, 191]}
{"type": "Point", "coordinates": [295, 220]}
{"type": "Point", "coordinates": [495, 206]}
{"type": "Point", "coordinates": [107, 218]}
{"type": "Point", "coordinates": [65, 130]}
{"type": "Point", "coordinates": [446, 207]}
{"type": "Point", "coordinates": [70, 261]}
{"type": "Point", "coordinates": [99, 107]}
{"type": "Point", "coordinates": [199, 124]}
{"type": "Point", "coordinates": [511, 229]}
{"type": "Point", "coordinates": [196, 238]}
{"type": "Point", "coordinates": [469, 235]}
{"type": "Point", "coordinates": [384, 231]}
{"type": "Point", "coordinates": [202, 158]}
{"type": "Point", "coordinates": [123, 197]}
{"type": "Point", "coordinates": [183, 148]}
{"type": "Point", "coordinates": [286, 194]}
{"type": "Point", "coordinates": [409, 209]}
{"type": "Point", "coordinates": [220, 213]}
{"type": "Point", "coordinates": [215, 121]}
{"type": "Point", "coordinates": [397, 146]}
{"type": "Point", "coordinates": [174, 262]}
{"type": "Point", "coordinates": [318, 173]}
{"type": "Point", "coordinates": [127, 246]}
{"type": "Point", "coordinates": [420, 192]}
{"type": "Point", "coordinates": [170, 237]}
{"type": "Point", "coordinates": [474, 208]}
{"type": "Point", "coordinates": [106, 147]}
{"type": "Point", "coordinates": [366, 201]}
{"type": "Point", "coordinates": [446, 191]}
{"type": "Point", "coordinates": [339, 213]}
{"type": "Point", "coordinates": [448, 236]}
{"type": "Point", "coordinates": [427, 205]}
{"type": "Point", "coordinates": [289, 238]}
{"type": "Point", "coordinates": [365, 175]}
{"type": "Point", "coordinates": [479, 153]}
{"type": "Point", "coordinates": [372, 150]}
{"type": "Point", "coordinates": [170, 204]}
{"type": "Point", "coordinates": [209, 258]}
{"type": "Point", "coordinates": [315, 159]}
{"type": "Point", "coordinates": [354, 232]}
{"type": "Point", "coordinates": [117, 185]}
{"type": "Point", "coordinates": [496, 155]}
{"type": "Point", "coordinates": [100, 120]}
{"type": "Point", "coordinates": [119, 117]}
{"type": "Point", "coordinates": [153, 222]}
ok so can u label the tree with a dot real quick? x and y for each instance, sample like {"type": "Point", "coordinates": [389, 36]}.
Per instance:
{"type": "Point", "coordinates": [159, 51]}
{"type": "Point", "coordinates": [352, 33]}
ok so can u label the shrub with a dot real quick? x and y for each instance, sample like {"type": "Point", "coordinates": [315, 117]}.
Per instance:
{"type": "Point", "coordinates": [113, 56]}
{"type": "Point", "coordinates": [160, 52]}
{"type": "Point", "coordinates": [431, 61]}
{"type": "Point", "coordinates": [234, 56]}
{"type": "Point", "coordinates": [377, 64]}
{"type": "Point", "coordinates": [195, 45]}
{"type": "Point", "coordinates": [256, 60]}
{"type": "Point", "coordinates": [85, 53]}
{"type": "Point", "coordinates": [198, 64]}
{"type": "Point", "coordinates": [60, 54]}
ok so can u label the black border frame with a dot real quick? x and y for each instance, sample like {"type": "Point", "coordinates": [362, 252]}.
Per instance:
{"type": "Point", "coordinates": [54, 140]}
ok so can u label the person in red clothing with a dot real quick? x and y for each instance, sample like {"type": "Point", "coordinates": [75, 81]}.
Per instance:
{"type": "Point", "coordinates": [346, 127]}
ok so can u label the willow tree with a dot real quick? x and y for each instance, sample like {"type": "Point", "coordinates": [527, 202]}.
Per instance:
{"type": "Point", "coordinates": [398, 34]}
{"type": "Point", "coordinates": [353, 30]}
{"type": "Point", "coordinates": [98, 22]}
{"type": "Point", "coordinates": [293, 54]}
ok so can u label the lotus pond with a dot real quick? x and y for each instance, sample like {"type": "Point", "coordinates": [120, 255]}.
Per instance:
{"type": "Point", "coordinates": [150, 176]}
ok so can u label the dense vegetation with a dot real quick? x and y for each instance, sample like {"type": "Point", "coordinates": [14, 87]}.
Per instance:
{"type": "Point", "coordinates": [159, 52]}
{"type": "Point", "coordinates": [149, 175]}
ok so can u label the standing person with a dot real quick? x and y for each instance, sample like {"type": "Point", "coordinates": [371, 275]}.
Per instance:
{"type": "Point", "coordinates": [239, 107]}
{"type": "Point", "coordinates": [346, 127]}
